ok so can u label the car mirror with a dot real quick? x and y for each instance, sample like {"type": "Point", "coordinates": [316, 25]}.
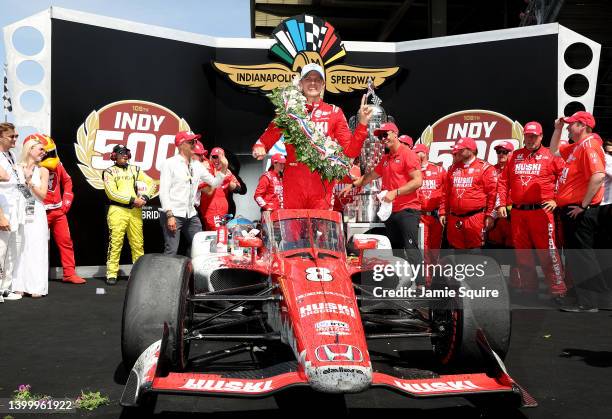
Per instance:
{"type": "Point", "coordinates": [250, 242]}
{"type": "Point", "coordinates": [253, 243]}
{"type": "Point", "coordinates": [364, 244]}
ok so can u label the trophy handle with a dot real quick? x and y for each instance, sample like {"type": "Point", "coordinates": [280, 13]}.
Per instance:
{"type": "Point", "coordinates": [352, 123]}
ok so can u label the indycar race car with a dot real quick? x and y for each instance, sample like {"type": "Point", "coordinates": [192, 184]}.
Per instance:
{"type": "Point", "coordinates": [288, 312]}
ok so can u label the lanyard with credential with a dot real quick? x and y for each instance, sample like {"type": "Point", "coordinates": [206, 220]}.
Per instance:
{"type": "Point", "coordinates": [25, 191]}
{"type": "Point", "coordinates": [191, 196]}
{"type": "Point", "coordinates": [9, 159]}
{"type": "Point", "coordinates": [22, 187]}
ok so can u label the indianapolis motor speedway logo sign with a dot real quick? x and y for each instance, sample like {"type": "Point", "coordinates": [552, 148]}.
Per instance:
{"type": "Point", "coordinates": [302, 40]}
{"type": "Point", "coordinates": [146, 128]}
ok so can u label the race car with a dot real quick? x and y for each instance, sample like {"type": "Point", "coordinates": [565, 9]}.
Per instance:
{"type": "Point", "coordinates": [288, 313]}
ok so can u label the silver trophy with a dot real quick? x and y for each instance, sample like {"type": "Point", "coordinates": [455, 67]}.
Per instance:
{"type": "Point", "coordinates": [371, 153]}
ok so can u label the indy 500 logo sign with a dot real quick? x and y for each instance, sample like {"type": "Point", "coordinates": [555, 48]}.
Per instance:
{"type": "Point", "coordinates": [488, 128]}
{"type": "Point", "coordinates": [146, 128]}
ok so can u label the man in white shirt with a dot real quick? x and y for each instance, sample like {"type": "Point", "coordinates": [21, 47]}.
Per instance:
{"type": "Point", "coordinates": [12, 212]}
{"type": "Point", "coordinates": [178, 185]}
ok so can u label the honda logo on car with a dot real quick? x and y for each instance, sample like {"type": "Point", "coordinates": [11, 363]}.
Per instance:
{"type": "Point", "coordinates": [437, 386]}
{"type": "Point", "coordinates": [320, 308]}
{"type": "Point", "coordinates": [332, 328]}
{"type": "Point", "coordinates": [317, 274]}
{"type": "Point", "coordinates": [244, 386]}
{"type": "Point", "coordinates": [338, 352]}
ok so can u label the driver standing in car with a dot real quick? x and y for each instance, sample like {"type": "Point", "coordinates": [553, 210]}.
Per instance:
{"type": "Point", "coordinates": [302, 188]}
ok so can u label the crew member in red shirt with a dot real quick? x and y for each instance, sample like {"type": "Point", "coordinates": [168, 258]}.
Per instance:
{"type": "Point", "coordinates": [430, 196]}
{"type": "Point", "coordinates": [400, 170]}
{"type": "Point", "coordinates": [528, 181]}
{"type": "Point", "coordinates": [269, 192]}
{"type": "Point", "coordinates": [303, 188]}
{"type": "Point", "coordinates": [469, 202]}
{"type": "Point", "coordinates": [500, 234]}
{"type": "Point", "coordinates": [199, 154]}
{"type": "Point", "coordinates": [213, 203]}
{"type": "Point", "coordinates": [580, 193]}
{"type": "Point", "coordinates": [406, 139]}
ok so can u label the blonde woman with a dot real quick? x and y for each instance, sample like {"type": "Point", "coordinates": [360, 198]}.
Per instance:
{"type": "Point", "coordinates": [33, 268]}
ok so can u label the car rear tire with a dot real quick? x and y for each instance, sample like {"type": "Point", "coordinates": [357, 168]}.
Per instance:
{"type": "Point", "coordinates": [458, 319]}
{"type": "Point", "coordinates": [157, 293]}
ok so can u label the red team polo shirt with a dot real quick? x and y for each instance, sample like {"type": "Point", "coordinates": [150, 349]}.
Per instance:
{"type": "Point", "coordinates": [395, 169]}
{"type": "Point", "coordinates": [582, 160]}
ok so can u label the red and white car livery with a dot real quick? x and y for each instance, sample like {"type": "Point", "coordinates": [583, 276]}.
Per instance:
{"type": "Point", "coordinates": [304, 313]}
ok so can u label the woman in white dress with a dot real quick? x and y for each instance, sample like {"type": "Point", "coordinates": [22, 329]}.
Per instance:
{"type": "Point", "coordinates": [32, 274]}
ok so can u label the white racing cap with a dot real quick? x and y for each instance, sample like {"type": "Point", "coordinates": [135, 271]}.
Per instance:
{"type": "Point", "coordinates": [312, 67]}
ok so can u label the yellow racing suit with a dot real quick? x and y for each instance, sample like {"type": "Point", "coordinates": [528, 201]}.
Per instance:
{"type": "Point", "coordinates": [121, 187]}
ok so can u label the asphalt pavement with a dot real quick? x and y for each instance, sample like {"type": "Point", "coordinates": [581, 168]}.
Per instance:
{"type": "Point", "coordinates": [69, 341]}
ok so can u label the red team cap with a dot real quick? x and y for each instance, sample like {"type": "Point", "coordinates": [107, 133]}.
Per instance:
{"type": "Point", "coordinates": [278, 158]}
{"type": "Point", "coordinates": [465, 142]}
{"type": "Point", "coordinates": [581, 116]}
{"type": "Point", "coordinates": [387, 126]}
{"type": "Point", "coordinates": [533, 128]}
{"type": "Point", "coordinates": [183, 136]}
{"type": "Point", "coordinates": [507, 145]}
{"type": "Point", "coordinates": [217, 151]}
{"type": "Point", "coordinates": [422, 148]}
{"type": "Point", "coordinates": [406, 139]}
{"type": "Point", "coordinates": [199, 149]}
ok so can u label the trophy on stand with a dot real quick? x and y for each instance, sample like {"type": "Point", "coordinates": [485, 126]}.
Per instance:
{"type": "Point", "coordinates": [371, 153]}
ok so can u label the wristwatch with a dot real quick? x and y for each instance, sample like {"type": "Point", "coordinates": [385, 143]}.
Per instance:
{"type": "Point", "coordinates": [169, 214]}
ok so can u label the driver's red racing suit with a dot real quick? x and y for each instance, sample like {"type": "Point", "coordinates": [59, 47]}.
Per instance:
{"type": "Point", "coordinates": [302, 188]}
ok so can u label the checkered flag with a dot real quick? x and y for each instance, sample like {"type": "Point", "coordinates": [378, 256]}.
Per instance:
{"type": "Point", "coordinates": [315, 28]}
{"type": "Point", "coordinates": [6, 97]}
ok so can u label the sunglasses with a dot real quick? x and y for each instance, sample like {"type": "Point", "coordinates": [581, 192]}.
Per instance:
{"type": "Point", "coordinates": [502, 151]}
{"type": "Point", "coordinates": [50, 154]}
{"type": "Point", "coordinates": [214, 157]}
{"type": "Point", "coordinates": [15, 136]}
{"type": "Point", "coordinates": [383, 136]}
